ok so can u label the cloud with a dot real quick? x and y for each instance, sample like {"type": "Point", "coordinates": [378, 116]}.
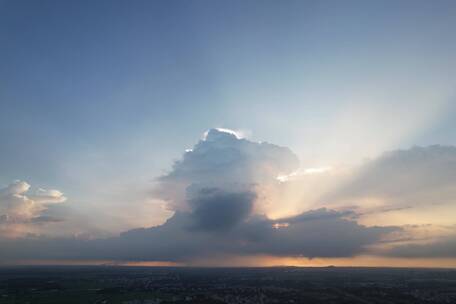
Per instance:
{"type": "Point", "coordinates": [402, 187]}
{"type": "Point", "coordinates": [46, 219]}
{"type": "Point", "coordinates": [441, 248]}
{"type": "Point", "coordinates": [420, 174]}
{"type": "Point", "coordinates": [225, 161]}
{"type": "Point", "coordinates": [325, 235]}
{"type": "Point", "coordinates": [215, 209]}
{"type": "Point", "coordinates": [315, 233]}
{"type": "Point", "coordinates": [48, 196]}
{"type": "Point", "coordinates": [409, 187]}
{"type": "Point", "coordinates": [19, 209]}
{"type": "Point", "coordinates": [218, 191]}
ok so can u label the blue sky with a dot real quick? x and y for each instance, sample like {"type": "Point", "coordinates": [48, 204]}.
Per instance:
{"type": "Point", "coordinates": [99, 98]}
{"type": "Point", "coordinates": [84, 76]}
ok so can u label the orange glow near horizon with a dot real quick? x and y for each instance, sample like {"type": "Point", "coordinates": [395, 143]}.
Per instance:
{"type": "Point", "coordinates": [262, 261]}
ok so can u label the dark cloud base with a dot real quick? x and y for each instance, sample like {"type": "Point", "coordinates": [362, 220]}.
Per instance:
{"type": "Point", "coordinates": [217, 210]}
{"type": "Point", "coordinates": [444, 248]}
{"type": "Point", "coordinates": [318, 233]}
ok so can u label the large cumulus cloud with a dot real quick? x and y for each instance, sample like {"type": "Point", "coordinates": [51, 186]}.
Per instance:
{"type": "Point", "coordinates": [219, 181]}
{"type": "Point", "coordinates": [223, 160]}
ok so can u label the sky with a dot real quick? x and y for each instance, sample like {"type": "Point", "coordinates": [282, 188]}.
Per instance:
{"type": "Point", "coordinates": [228, 132]}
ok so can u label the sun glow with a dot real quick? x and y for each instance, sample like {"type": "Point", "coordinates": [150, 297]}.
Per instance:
{"type": "Point", "coordinates": [280, 225]}
{"type": "Point", "coordinates": [304, 171]}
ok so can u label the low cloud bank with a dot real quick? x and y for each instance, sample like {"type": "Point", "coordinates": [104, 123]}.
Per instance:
{"type": "Point", "coordinates": [328, 234]}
